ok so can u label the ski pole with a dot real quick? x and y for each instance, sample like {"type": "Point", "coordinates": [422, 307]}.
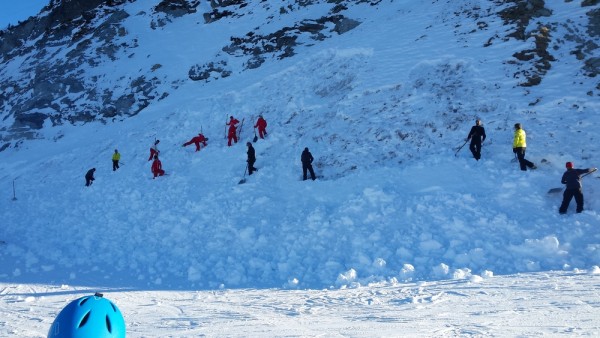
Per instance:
{"type": "Point", "coordinates": [14, 194]}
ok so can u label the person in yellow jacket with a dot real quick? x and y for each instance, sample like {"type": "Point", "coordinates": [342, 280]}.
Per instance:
{"type": "Point", "coordinates": [115, 158]}
{"type": "Point", "coordinates": [519, 145]}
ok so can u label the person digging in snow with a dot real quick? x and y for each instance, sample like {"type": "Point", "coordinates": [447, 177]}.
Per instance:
{"type": "Point", "coordinates": [154, 150]}
{"type": "Point", "coordinates": [251, 158]}
{"type": "Point", "coordinates": [157, 167]}
{"type": "Point", "coordinates": [89, 177]}
{"type": "Point", "coordinates": [572, 179]}
{"type": "Point", "coordinates": [519, 145]}
{"type": "Point", "coordinates": [197, 140]}
{"type": "Point", "coordinates": [261, 124]}
{"type": "Point", "coordinates": [307, 160]}
{"type": "Point", "coordinates": [232, 134]}
{"type": "Point", "coordinates": [115, 159]}
{"type": "Point", "coordinates": [477, 136]}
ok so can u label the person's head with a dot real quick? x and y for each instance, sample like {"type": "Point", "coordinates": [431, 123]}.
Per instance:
{"type": "Point", "coordinates": [116, 151]}
{"type": "Point", "coordinates": [306, 149]}
{"type": "Point", "coordinates": [517, 126]}
{"type": "Point", "coordinates": [569, 165]}
{"type": "Point", "coordinates": [156, 157]}
{"type": "Point", "coordinates": [89, 316]}
{"type": "Point", "coordinates": [249, 144]}
{"type": "Point", "coordinates": [231, 117]}
{"type": "Point", "coordinates": [93, 169]}
{"type": "Point", "coordinates": [260, 116]}
{"type": "Point", "coordinates": [478, 122]}
{"type": "Point", "coordinates": [157, 142]}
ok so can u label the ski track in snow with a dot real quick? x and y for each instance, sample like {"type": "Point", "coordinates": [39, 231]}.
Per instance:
{"type": "Point", "coordinates": [533, 304]}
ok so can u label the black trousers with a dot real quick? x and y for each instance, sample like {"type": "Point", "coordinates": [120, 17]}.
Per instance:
{"type": "Point", "coordinates": [251, 168]}
{"type": "Point", "coordinates": [522, 161]}
{"type": "Point", "coordinates": [567, 196]}
{"type": "Point", "coordinates": [308, 167]}
{"type": "Point", "coordinates": [88, 181]}
{"type": "Point", "coordinates": [115, 165]}
{"type": "Point", "coordinates": [475, 148]}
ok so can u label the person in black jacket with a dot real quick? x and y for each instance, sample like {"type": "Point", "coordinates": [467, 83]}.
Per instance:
{"type": "Point", "coordinates": [307, 160]}
{"type": "Point", "coordinates": [477, 136]}
{"type": "Point", "coordinates": [572, 179]}
{"type": "Point", "coordinates": [251, 158]}
{"type": "Point", "coordinates": [89, 177]}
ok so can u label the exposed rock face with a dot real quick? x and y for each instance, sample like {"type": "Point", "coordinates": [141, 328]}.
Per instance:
{"type": "Point", "coordinates": [173, 9]}
{"type": "Point", "coordinates": [589, 45]}
{"type": "Point", "coordinates": [279, 44]}
{"type": "Point", "coordinates": [74, 36]}
{"type": "Point", "coordinates": [55, 85]}
{"type": "Point", "coordinates": [535, 63]}
{"type": "Point", "coordinates": [59, 55]}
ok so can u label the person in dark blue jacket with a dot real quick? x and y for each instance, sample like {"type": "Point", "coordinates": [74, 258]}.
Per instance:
{"type": "Point", "coordinates": [89, 177]}
{"type": "Point", "coordinates": [572, 179]}
{"type": "Point", "coordinates": [477, 136]}
{"type": "Point", "coordinates": [251, 158]}
{"type": "Point", "coordinates": [307, 159]}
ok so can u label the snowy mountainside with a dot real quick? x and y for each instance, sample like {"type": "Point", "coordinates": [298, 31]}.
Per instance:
{"type": "Point", "coordinates": [382, 107]}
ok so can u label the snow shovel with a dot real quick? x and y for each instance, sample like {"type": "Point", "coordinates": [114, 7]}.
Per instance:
{"type": "Point", "coordinates": [255, 137]}
{"type": "Point", "coordinates": [243, 180]}
{"type": "Point", "coordinates": [556, 190]}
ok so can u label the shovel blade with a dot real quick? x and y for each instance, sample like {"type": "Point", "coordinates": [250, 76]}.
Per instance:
{"type": "Point", "coordinates": [554, 190]}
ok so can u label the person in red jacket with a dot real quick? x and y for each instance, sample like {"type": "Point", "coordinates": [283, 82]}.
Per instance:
{"type": "Point", "coordinates": [157, 167]}
{"type": "Point", "coordinates": [197, 140]}
{"type": "Point", "coordinates": [232, 134]}
{"type": "Point", "coordinates": [154, 150]}
{"type": "Point", "coordinates": [261, 124]}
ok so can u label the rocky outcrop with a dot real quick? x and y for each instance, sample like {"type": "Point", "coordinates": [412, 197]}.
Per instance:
{"type": "Point", "coordinates": [589, 46]}
{"type": "Point", "coordinates": [536, 62]}
{"type": "Point", "coordinates": [173, 9]}
{"type": "Point", "coordinates": [277, 45]}
{"type": "Point", "coordinates": [55, 88]}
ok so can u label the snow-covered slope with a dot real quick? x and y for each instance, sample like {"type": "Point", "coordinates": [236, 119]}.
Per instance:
{"type": "Point", "coordinates": [382, 107]}
{"type": "Point", "coordinates": [382, 115]}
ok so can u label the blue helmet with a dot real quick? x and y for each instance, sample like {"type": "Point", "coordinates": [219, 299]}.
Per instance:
{"type": "Point", "coordinates": [89, 317]}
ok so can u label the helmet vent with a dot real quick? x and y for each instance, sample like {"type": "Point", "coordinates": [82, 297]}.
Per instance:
{"type": "Point", "coordinates": [108, 326]}
{"type": "Point", "coordinates": [84, 320]}
{"type": "Point", "coordinates": [113, 307]}
{"type": "Point", "coordinates": [83, 300]}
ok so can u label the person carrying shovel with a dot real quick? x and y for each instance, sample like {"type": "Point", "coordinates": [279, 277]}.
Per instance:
{"type": "Point", "coordinates": [572, 179]}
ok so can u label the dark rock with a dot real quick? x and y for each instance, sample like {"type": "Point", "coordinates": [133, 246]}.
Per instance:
{"type": "Point", "coordinates": [29, 121]}
{"type": "Point", "coordinates": [586, 3]}
{"type": "Point", "coordinates": [177, 8]}
{"type": "Point", "coordinates": [592, 66]}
